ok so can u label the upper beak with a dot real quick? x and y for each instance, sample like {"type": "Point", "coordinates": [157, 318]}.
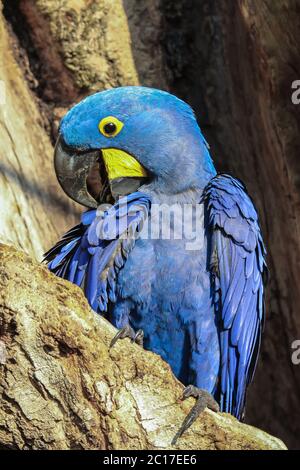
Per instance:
{"type": "Point", "coordinates": [72, 170]}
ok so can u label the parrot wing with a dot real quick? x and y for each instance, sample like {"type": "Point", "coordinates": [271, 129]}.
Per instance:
{"type": "Point", "coordinates": [238, 268]}
{"type": "Point", "coordinates": [91, 254]}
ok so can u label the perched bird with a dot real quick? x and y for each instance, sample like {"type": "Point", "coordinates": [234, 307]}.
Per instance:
{"type": "Point", "coordinates": [123, 153]}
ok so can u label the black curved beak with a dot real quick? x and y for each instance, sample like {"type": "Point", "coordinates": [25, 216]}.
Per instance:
{"type": "Point", "coordinates": [72, 170]}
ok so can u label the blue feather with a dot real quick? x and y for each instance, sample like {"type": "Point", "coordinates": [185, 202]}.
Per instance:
{"type": "Point", "coordinates": [82, 259]}
{"type": "Point", "coordinates": [241, 253]}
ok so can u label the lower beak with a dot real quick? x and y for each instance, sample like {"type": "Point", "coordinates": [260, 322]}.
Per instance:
{"type": "Point", "coordinates": [125, 173]}
{"type": "Point", "coordinates": [119, 171]}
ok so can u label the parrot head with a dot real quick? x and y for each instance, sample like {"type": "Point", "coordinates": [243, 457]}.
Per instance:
{"type": "Point", "coordinates": [115, 141]}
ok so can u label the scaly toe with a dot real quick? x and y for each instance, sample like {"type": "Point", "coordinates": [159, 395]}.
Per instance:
{"type": "Point", "coordinates": [128, 332]}
{"type": "Point", "coordinates": [204, 399]}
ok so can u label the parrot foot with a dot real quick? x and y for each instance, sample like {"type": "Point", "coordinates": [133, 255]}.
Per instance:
{"type": "Point", "coordinates": [204, 399]}
{"type": "Point", "coordinates": [128, 332]}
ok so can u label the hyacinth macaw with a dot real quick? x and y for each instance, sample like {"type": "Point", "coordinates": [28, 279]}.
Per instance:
{"type": "Point", "coordinates": [201, 310]}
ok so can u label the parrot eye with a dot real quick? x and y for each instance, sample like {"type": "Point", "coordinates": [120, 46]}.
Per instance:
{"type": "Point", "coordinates": [110, 126]}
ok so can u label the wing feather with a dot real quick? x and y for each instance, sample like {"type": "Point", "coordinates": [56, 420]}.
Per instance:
{"type": "Point", "coordinates": [238, 267]}
{"type": "Point", "coordinates": [91, 254]}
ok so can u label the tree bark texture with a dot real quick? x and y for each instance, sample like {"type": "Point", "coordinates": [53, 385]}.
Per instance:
{"type": "Point", "coordinates": [62, 387]}
{"type": "Point", "coordinates": [234, 62]}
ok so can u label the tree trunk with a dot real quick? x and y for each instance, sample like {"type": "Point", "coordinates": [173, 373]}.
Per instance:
{"type": "Point", "coordinates": [234, 62]}
{"type": "Point", "coordinates": [33, 210]}
{"type": "Point", "coordinates": [63, 388]}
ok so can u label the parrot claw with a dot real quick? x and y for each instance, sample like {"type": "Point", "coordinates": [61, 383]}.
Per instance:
{"type": "Point", "coordinates": [128, 332]}
{"type": "Point", "coordinates": [204, 399]}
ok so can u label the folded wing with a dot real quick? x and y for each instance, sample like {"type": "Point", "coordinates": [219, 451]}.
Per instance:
{"type": "Point", "coordinates": [238, 268]}
{"type": "Point", "coordinates": [91, 254]}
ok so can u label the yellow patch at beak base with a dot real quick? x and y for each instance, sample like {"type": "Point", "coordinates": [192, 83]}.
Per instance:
{"type": "Point", "coordinates": [120, 164]}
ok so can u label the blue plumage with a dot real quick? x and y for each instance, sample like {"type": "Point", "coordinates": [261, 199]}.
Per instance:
{"type": "Point", "coordinates": [240, 268]}
{"type": "Point", "coordinates": [202, 310]}
{"type": "Point", "coordinates": [96, 243]}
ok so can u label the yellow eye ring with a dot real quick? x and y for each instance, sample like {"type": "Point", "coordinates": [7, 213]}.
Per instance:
{"type": "Point", "coordinates": [110, 126]}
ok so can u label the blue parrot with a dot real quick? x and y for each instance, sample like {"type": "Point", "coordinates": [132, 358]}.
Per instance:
{"type": "Point", "coordinates": [121, 153]}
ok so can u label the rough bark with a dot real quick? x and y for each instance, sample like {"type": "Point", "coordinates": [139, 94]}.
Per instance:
{"type": "Point", "coordinates": [33, 210]}
{"type": "Point", "coordinates": [234, 62]}
{"type": "Point", "coordinates": [63, 388]}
